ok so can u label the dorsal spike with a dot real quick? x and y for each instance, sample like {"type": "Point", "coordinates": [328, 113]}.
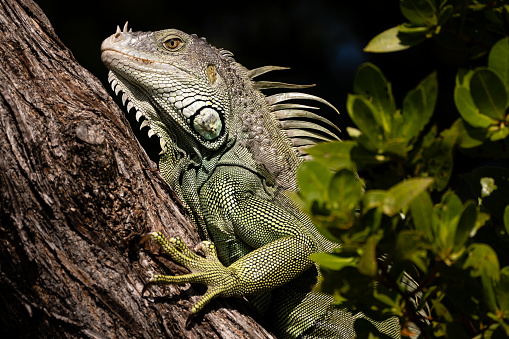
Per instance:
{"type": "Point", "coordinates": [299, 114]}
{"type": "Point", "coordinates": [278, 107]}
{"type": "Point", "coordinates": [280, 97]}
{"type": "Point", "coordinates": [299, 133]}
{"type": "Point", "coordinates": [303, 150]}
{"type": "Point", "coordinates": [306, 125]}
{"type": "Point", "coordinates": [226, 53]}
{"type": "Point", "coordinates": [262, 70]}
{"type": "Point", "coordinates": [260, 85]}
{"type": "Point", "coordinates": [299, 142]}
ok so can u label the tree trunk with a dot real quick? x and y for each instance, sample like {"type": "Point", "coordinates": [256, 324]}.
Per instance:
{"type": "Point", "coordinates": [76, 192]}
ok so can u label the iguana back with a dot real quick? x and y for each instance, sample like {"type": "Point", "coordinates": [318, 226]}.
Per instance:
{"type": "Point", "coordinates": [232, 154]}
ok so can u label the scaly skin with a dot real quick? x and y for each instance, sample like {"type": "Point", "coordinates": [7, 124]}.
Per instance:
{"type": "Point", "coordinates": [226, 155]}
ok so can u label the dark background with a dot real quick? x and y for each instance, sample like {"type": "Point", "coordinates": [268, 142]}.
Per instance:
{"type": "Point", "coordinates": [322, 42]}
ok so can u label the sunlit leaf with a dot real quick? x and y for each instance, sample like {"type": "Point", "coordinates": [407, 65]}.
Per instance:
{"type": "Point", "coordinates": [371, 84]}
{"type": "Point", "coordinates": [482, 259]}
{"type": "Point", "coordinates": [442, 311]}
{"type": "Point", "coordinates": [387, 41]}
{"type": "Point", "coordinates": [500, 133]}
{"type": "Point", "coordinates": [499, 59]}
{"type": "Point", "coordinates": [465, 104]}
{"type": "Point", "coordinates": [410, 245]}
{"type": "Point", "coordinates": [468, 136]}
{"type": "Point", "coordinates": [333, 262]}
{"type": "Point", "coordinates": [373, 199]}
{"type": "Point", "coordinates": [418, 106]}
{"type": "Point", "coordinates": [422, 211]}
{"type": "Point", "coordinates": [313, 179]}
{"type": "Point", "coordinates": [439, 158]}
{"type": "Point", "coordinates": [367, 263]}
{"type": "Point", "coordinates": [419, 12]}
{"type": "Point", "coordinates": [362, 113]}
{"type": "Point", "coordinates": [402, 194]}
{"type": "Point", "coordinates": [488, 291]}
{"type": "Point", "coordinates": [502, 291]}
{"type": "Point", "coordinates": [345, 191]}
{"type": "Point", "coordinates": [445, 222]}
{"type": "Point", "coordinates": [489, 93]}
{"type": "Point", "coordinates": [412, 35]}
{"type": "Point", "coordinates": [465, 225]}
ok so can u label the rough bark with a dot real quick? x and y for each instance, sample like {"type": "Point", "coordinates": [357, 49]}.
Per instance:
{"type": "Point", "coordinates": [76, 192]}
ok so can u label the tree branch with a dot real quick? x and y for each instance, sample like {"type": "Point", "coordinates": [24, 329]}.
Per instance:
{"type": "Point", "coordinates": [75, 194]}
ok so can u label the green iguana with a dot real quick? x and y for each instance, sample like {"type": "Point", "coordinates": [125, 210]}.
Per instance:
{"type": "Point", "coordinates": [231, 154]}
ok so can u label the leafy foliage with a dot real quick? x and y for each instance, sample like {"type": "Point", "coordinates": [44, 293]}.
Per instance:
{"type": "Point", "coordinates": [413, 244]}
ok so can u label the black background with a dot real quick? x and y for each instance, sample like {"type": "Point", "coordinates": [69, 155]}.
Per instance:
{"type": "Point", "coordinates": [322, 42]}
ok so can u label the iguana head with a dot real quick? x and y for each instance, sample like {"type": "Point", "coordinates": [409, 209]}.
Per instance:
{"type": "Point", "coordinates": [196, 98]}
{"type": "Point", "coordinates": [174, 79]}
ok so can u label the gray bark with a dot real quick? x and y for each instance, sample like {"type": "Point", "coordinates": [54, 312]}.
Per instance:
{"type": "Point", "coordinates": [76, 192]}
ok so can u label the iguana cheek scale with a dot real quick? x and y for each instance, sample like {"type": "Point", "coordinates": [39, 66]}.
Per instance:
{"type": "Point", "coordinates": [231, 154]}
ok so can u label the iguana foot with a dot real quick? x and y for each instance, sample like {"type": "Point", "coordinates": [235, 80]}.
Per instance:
{"type": "Point", "coordinates": [207, 270]}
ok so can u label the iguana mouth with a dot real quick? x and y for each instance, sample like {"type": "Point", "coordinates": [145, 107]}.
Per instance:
{"type": "Point", "coordinates": [117, 85]}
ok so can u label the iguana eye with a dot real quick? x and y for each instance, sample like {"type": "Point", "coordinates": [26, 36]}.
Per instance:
{"type": "Point", "coordinates": [173, 43]}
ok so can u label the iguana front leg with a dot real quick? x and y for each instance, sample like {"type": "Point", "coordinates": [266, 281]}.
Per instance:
{"type": "Point", "coordinates": [250, 274]}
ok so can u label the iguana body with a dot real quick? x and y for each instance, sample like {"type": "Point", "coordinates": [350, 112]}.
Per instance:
{"type": "Point", "coordinates": [231, 154]}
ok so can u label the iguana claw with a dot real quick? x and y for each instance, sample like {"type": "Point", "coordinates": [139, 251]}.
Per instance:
{"type": "Point", "coordinates": [146, 237]}
{"type": "Point", "coordinates": [206, 270]}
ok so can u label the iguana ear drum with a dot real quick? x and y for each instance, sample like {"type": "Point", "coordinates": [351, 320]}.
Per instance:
{"type": "Point", "coordinates": [207, 123]}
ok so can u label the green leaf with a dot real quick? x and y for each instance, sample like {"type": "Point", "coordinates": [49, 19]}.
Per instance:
{"type": "Point", "coordinates": [422, 211]}
{"type": "Point", "coordinates": [499, 133]}
{"type": "Point", "coordinates": [387, 300]}
{"type": "Point", "coordinates": [345, 192]}
{"type": "Point", "coordinates": [468, 136]}
{"type": "Point", "coordinates": [412, 35]}
{"type": "Point", "coordinates": [333, 262]}
{"type": "Point", "coordinates": [438, 158]}
{"type": "Point", "coordinates": [395, 146]}
{"type": "Point", "coordinates": [402, 194]}
{"type": "Point", "coordinates": [489, 93]}
{"type": "Point", "coordinates": [387, 41]}
{"type": "Point", "coordinates": [371, 84]}
{"type": "Point", "coordinates": [442, 311]}
{"type": "Point", "coordinates": [313, 179]}
{"type": "Point", "coordinates": [367, 263]}
{"type": "Point", "coordinates": [445, 13]}
{"type": "Point", "coordinates": [445, 222]}
{"type": "Point", "coordinates": [410, 245]}
{"type": "Point", "coordinates": [465, 225]}
{"type": "Point", "coordinates": [336, 154]}
{"type": "Point", "coordinates": [418, 106]}
{"type": "Point", "coordinates": [465, 104]}
{"type": "Point", "coordinates": [502, 291]}
{"type": "Point", "coordinates": [499, 59]}
{"type": "Point", "coordinates": [419, 12]}
{"type": "Point", "coordinates": [482, 259]}
{"type": "Point", "coordinates": [489, 292]}
{"type": "Point", "coordinates": [373, 199]}
{"type": "Point", "coordinates": [362, 113]}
